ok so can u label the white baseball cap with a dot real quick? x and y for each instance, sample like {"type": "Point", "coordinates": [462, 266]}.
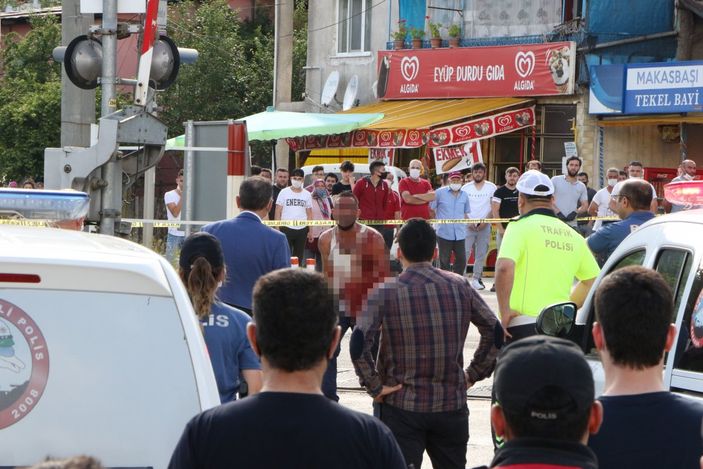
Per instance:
{"type": "Point", "coordinates": [530, 182]}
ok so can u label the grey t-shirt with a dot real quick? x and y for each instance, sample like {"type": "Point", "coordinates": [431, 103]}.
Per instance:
{"type": "Point", "coordinates": [568, 195]}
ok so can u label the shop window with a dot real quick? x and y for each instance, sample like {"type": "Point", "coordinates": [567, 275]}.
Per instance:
{"type": "Point", "coordinates": [509, 18]}
{"type": "Point", "coordinates": [354, 26]}
{"type": "Point", "coordinates": [559, 120]}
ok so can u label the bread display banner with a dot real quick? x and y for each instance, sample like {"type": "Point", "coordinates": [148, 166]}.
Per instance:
{"type": "Point", "coordinates": [456, 158]}
{"type": "Point", "coordinates": [546, 69]}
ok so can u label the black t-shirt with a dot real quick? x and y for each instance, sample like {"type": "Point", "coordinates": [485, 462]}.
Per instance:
{"type": "Point", "coordinates": [338, 188]}
{"type": "Point", "coordinates": [276, 190]}
{"type": "Point", "coordinates": [653, 430]}
{"type": "Point", "coordinates": [508, 202]}
{"type": "Point", "coordinates": [272, 430]}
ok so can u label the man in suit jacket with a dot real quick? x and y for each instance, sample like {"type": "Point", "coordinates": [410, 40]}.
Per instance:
{"type": "Point", "coordinates": [251, 248]}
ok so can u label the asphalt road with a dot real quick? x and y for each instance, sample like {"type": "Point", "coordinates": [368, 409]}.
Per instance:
{"type": "Point", "coordinates": [480, 449]}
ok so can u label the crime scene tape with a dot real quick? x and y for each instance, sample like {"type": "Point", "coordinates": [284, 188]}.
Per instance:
{"type": "Point", "coordinates": [139, 223]}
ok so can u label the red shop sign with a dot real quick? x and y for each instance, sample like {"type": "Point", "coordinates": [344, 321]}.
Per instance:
{"type": "Point", "coordinates": [522, 70]}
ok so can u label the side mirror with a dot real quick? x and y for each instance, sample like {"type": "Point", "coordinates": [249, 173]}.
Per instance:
{"type": "Point", "coordinates": [557, 320]}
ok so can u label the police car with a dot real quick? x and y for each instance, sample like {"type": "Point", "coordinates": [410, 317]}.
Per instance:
{"type": "Point", "coordinates": [673, 246]}
{"type": "Point", "coordinates": [100, 351]}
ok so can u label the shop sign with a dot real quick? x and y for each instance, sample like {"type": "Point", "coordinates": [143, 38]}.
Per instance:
{"type": "Point", "coordinates": [456, 158]}
{"type": "Point", "coordinates": [383, 154]}
{"type": "Point", "coordinates": [653, 88]}
{"type": "Point", "coordinates": [451, 135]}
{"type": "Point", "coordinates": [664, 88]}
{"type": "Point", "coordinates": [521, 70]}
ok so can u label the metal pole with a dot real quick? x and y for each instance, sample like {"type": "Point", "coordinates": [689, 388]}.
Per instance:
{"type": "Point", "coordinates": [188, 174]}
{"type": "Point", "coordinates": [77, 105]}
{"type": "Point", "coordinates": [112, 173]}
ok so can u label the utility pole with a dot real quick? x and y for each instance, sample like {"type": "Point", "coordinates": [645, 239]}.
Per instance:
{"type": "Point", "coordinates": [283, 66]}
{"type": "Point", "coordinates": [111, 173]}
{"type": "Point", "coordinates": [77, 105]}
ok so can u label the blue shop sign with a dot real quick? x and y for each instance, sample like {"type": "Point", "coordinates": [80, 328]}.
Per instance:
{"type": "Point", "coordinates": [670, 87]}
{"type": "Point", "coordinates": [652, 88]}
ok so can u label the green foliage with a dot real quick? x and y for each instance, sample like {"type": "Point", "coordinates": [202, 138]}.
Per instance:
{"type": "Point", "coordinates": [233, 76]}
{"type": "Point", "coordinates": [30, 99]}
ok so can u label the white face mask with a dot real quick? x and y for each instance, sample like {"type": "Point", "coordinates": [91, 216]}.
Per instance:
{"type": "Point", "coordinates": [612, 182]}
{"type": "Point", "coordinates": [455, 187]}
{"type": "Point", "coordinates": [414, 173]}
{"type": "Point", "coordinates": [296, 183]}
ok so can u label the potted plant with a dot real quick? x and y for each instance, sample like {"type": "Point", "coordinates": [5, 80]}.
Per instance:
{"type": "Point", "coordinates": [435, 37]}
{"type": "Point", "coordinates": [399, 35]}
{"type": "Point", "coordinates": [417, 34]}
{"type": "Point", "coordinates": [454, 33]}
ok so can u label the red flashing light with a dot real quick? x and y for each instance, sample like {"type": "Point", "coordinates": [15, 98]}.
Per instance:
{"type": "Point", "coordinates": [19, 278]}
{"type": "Point", "coordinates": [684, 193]}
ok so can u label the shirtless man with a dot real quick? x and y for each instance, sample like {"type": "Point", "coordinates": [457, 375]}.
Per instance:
{"type": "Point", "coordinates": [354, 260]}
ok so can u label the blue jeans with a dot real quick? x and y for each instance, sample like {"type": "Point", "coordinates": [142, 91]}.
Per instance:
{"type": "Point", "coordinates": [173, 244]}
{"type": "Point", "coordinates": [329, 380]}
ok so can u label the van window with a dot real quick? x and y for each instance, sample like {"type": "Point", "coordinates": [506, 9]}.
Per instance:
{"type": "Point", "coordinates": [687, 375]}
{"type": "Point", "coordinates": [632, 258]}
{"type": "Point", "coordinates": [674, 265]}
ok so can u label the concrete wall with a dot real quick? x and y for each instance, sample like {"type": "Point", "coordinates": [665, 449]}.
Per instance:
{"type": "Point", "coordinates": [323, 57]}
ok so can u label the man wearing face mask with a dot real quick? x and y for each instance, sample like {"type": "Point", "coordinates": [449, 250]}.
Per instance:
{"type": "Point", "coordinates": [451, 203]}
{"type": "Point", "coordinates": [538, 260]}
{"type": "Point", "coordinates": [635, 170]}
{"type": "Point", "coordinates": [688, 168]}
{"type": "Point", "coordinates": [415, 194]}
{"type": "Point", "coordinates": [374, 194]}
{"type": "Point", "coordinates": [600, 205]}
{"type": "Point", "coordinates": [354, 260]}
{"type": "Point", "coordinates": [295, 203]}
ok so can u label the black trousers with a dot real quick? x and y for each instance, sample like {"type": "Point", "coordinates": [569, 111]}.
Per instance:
{"type": "Point", "coordinates": [296, 242]}
{"type": "Point", "coordinates": [445, 435]}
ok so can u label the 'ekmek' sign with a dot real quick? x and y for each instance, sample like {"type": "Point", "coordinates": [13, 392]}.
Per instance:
{"type": "Point", "coordinates": [656, 88]}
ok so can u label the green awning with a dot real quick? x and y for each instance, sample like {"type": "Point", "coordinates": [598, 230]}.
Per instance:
{"type": "Point", "coordinates": [274, 125]}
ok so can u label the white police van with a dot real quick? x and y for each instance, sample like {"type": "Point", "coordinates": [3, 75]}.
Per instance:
{"type": "Point", "coordinates": [100, 351]}
{"type": "Point", "coordinates": [673, 246]}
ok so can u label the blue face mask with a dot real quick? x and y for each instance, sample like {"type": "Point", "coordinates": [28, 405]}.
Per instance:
{"type": "Point", "coordinates": [321, 193]}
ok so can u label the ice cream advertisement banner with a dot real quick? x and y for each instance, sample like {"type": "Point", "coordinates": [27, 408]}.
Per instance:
{"type": "Point", "coordinates": [521, 70]}
{"type": "Point", "coordinates": [450, 135]}
{"type": "Point", "coordinates": [456, 158]}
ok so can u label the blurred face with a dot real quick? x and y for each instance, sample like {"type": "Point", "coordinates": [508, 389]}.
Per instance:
{"type": "Point", "coordinates": [330, 181]}
{"type": "Point", "coordinates": [636, 172]}
{"type": "Point", "coordinates": [583, 179]}
{"type": "Point", "coordinates": [689, 167]}
{"type": "Point", "coordinates": [380, 170]}
{"type": "Point", "coordinates": [533, 165]}
{"type": "Point", "coordinates": [179, 182]}
{"type": "Point", "coordinates": [511, 178]}
{"type": "Point", "coordinates": [573, 168]}
{"type": "Point", "coordinates": [467, 178]}
{"type": "Point", "coordinates": [320, 174]}
{"type": "Point", "coordinates": [266, 174]}
{"type": "Point", "coordinates": [297, 179]}
{"type": "Point", "coordinates": [622, 176]}
{"type": "Point", "coordinates": [478, 174]}
{"type": "Point", "coordinates": [28, 185]}
{"type": "Point", "coordinates": [282, 178]}
{"type": "Point", "coordinates": [346, 212]}
{"type": "Point", "coordinates": [347, 174]}
{"type": "Point", "coordinates": [390, 177]}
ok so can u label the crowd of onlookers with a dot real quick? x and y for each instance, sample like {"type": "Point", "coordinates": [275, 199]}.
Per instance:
{"type": "Point", "coordinates": [28, 183]}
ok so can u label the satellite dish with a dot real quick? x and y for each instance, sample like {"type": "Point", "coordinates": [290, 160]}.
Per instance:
{"type": "Point", "coordinates": [350, 93]}
{"type": "Point", "coordinates": [374, 87]}
{"type": "Point", "coordinates": [330, 88]}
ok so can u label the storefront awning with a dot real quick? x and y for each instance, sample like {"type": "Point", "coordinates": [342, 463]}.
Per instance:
{"type": "Point", "coordinates": [272, 125]}
{"type": "Point", "coordinates": [337, 155]}
{"type": "Point", "coordinates": [436, 123]}
{"type": "Point", "coordinates": [659, 119]}
{"type": "Point", "coordinates": [426, 113]}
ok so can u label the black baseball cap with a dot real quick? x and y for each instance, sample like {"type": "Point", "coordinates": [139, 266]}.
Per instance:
{"type": "Point", "coordinates": [201, 244]}
{"type": "Point", "coordinates": [531, 365]}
